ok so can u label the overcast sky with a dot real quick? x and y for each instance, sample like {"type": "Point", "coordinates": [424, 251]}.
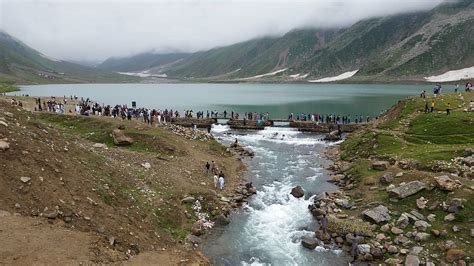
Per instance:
{"type": "Point", "coordinates": [97, 29]}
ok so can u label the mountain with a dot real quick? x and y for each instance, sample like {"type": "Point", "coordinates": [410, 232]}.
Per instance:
{"type": "Point", "coordinates": [21, 64]}
{"type": "Point", "coordinates": [142, 61]}
{"type": "Point", "coordinates": [395, 48]}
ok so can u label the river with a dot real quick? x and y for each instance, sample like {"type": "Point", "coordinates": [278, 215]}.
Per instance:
{"type": "Point", "coordinates": [266, 231]}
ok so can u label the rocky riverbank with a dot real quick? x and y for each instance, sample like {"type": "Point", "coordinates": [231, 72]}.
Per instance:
{"type": "Point", "coordinates": [399, 210]}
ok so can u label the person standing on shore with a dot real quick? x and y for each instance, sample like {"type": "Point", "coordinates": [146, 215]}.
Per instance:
{"type": "Point", "coordinates": [324, 223]}
{"type": "Point", "coordinates": [448, 108]}
{"type": "Point", "coordinates": [432, 106]}
{"type": "Point", "coordinates": [213, 167]}
{"type": "Point", "coordinates": [221, 181]}
{"type": "Point", "coordinates": [208, 168]}
{"type": "Point", "coordinates": [216, 181]}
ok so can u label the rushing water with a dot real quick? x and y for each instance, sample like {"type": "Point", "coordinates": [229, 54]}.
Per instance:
{"type": "Point", "coordinates": [268, 230]}
{"type": "Point", "coordinates": [277, 99]}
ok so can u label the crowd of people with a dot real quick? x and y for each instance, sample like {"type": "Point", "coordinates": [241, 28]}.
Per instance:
{"type": "Point", "coordinates": [218, 176]}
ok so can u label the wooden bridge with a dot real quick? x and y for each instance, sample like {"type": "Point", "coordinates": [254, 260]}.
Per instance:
{"type": "Point", "coordinates": [305, 126]}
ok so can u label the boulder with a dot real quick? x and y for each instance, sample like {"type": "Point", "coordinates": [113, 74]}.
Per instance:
{"type": "Point", "coordinates": [407, 189]}
{"type": "Point", "coordinates": [412, 260]}
{"type": "Point", "coordinates": [445, 183]}
{"type": "Point", "coordinates": [422, 225]}
{"type": "Point", "coordinates": [363, 249]}
{"type": "Point", "coordinates": [386, 178]}
{"type": "Point", "coordinates": [52, 214]}
{"type": "Point", "coordinates": [309, 242]}
{"type": "Point", "coordinates": [297, 192]}
{"type": "Point", "coordinates": [431, 217]}
{"type": "Point", "coordinates": [120, 139]}
{"type": "Point", "coordinates": [468, 152]}
{"type": "Point", "coordinates": [4, 145]}
{"type": "Point", "coordinates": [380, 165]}
{"type": "Point", "coordinates": [99, 146]}
{"type": "Point", "coordinates": [222, 220]}
{"type": "Point", "coordinates": [403, 221]}
{"type": "Point", "coordinates": [325, 237]}
{"type": "Point", "coordinates": [193, 239]}
{"type": "Point", "coordinates": [449, 218]}
{"type": "Point", "coordinates": [333, 136]}
{"type": "Point", "coordinates": [420, 237]}
{"type": "Point", "coordinates": [421, 203]}
{"type": "Point", "coordinates": [454, 254]}
{"type": "Point", "coordinates": [392, 249]}
{"type": "Point", "coordinates": [377, 253]}
{"type": "Point", "coordinates": [469, 161]}
{"type": "Point", "coordinates": [396, 231]}
{"type": "Point", "coordinates": [455, 206]}
{"type": "Point", "coordinates": [146, 165]}
{"type": "Point", "coordinates": [378, 214]}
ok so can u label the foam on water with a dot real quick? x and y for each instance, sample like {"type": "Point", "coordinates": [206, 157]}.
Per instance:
{"type": "Point", "coordinates": [269, 229]}
{"type": "Point", "coordinates": [216, 128]}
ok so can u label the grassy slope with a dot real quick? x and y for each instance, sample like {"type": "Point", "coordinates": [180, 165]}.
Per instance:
{"type": "Point", "coordinates": [427, 139]}
{"type": "Point", "coordinates": [129, 198]}
{"type": "Point", "coordinates": [7, 88]}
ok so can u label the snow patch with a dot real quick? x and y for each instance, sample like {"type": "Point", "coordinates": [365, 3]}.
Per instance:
{"type": "Point", "coordinates": [144, 74]}
{"type": "Point", "coordinates": [345, 75]}
{"type": "Point", "coordinates": [50, 58]}
{"type": "Point", "coordinates": [453, 75]}
{"type": "Point", "coordinates": [299, 76]}
{"type": "Point", "coordinates": [267, 74]}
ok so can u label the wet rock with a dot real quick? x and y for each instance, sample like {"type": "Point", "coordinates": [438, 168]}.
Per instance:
{"type": "Point", "coordinates": [325, 237]}
{"type": "Point", "coordinates": [297, 192]}
{"type": "Point", "coordinates": [120, 139]}
{"type": "Point", "coordinates": [378, 214]}
{"type": "Point", "coordinates": [422, 225]}
{"type": "Point", "coordinates": [407, 189]}
{"type": "Point", "coordinates": [445, 183]}
{"type": "Point", "coordinates": [412, 260]}
{"type": "Point", "coordinates": [454, 254]}
{"type": "Point", "coordinates": [4, 145]}
{"type": "Point", "coordinates": [449, 218]}
{"type": "Point", "coordinates": [309, 242]}
{"type": "Point", "coordinates": [222, 220]}
{"type": "Point", "coordinates": [25, 179]}
{"type": "Point", "coordinates": [387, 178]}
{"type": "Point", "coordinates": [332, 136]}
{"type": "Point", "coordinates": [380, 165]}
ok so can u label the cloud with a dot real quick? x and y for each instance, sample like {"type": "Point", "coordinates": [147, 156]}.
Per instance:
{"type": "Point", "coordinates": [97, 29]}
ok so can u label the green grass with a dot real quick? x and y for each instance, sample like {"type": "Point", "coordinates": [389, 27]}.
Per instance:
{"type": "Point", "coordinates": [8, 88]}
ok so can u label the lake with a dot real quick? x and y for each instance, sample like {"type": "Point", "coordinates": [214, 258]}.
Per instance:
{"type": "Point", "coordinates": [278, 99]}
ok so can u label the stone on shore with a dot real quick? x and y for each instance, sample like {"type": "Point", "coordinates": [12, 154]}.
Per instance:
{"type": "Point", "coordinates": [4, 145]}
{"type": "Point", "coordinates": [297, 192]}
{"type": "Point", "coordinates": [120, 139]}
{"type": "Point", "coordinates": [469, 161]}
{"type": "Point", "coordinates": [445, 183]}
{"type": "Point", "coordinates": [25, 179]}
{"type": "Point", "coordinates": [99, 146]}
{"type": "Point", "coordinates": [412, 260]}
{"type": "Point", "coordinates": [380, 165]}
{"type": "Point", "coordinates": [386, 178]}
{"type": "Point", "coordinates": [309, 242]}
{"type": "Point", "coordinates": [407, 189]}
{"type": "Point", "coordinates": [378, 214]}
{"type": "Point", "coordinates": [454, 254]}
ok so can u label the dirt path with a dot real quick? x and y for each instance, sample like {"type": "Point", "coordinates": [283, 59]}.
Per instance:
{"type": "Point", "coordinates": [32, 241]}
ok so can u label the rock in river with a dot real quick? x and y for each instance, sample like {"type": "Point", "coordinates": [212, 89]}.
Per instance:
{"type": "Point", "coordinates": [297, 192]}
{"type": "Point", "coordinates": [309, 242]}
{"type": "Point", "coordinates": [407, 189]}
{"type": "Point", "coordinates": [378, 214]}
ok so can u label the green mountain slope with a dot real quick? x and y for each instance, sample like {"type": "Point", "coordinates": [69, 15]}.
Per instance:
{"type": "Point", "coordinates": [141, 62]}
{"type": "Point", "coordinates": [22, 64]}
{"type": "Point", "coordinates": [400, 47]}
